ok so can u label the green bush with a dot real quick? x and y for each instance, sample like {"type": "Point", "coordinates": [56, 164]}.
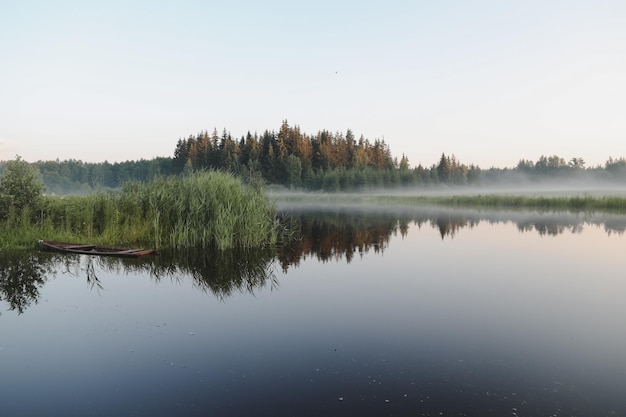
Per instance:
{"type": "Point", "coordinates": [20, 187]}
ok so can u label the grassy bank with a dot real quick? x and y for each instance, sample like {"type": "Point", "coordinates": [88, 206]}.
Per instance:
{"type": "Point", "coordinates": [206, 209]}
{"type": "Point", "coordinates": [616, 203]}
{"type": "Point", "coordinates": [496, 201]}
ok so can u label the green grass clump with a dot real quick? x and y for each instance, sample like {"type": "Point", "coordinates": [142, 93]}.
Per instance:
{"type": "Point", "coordinates": [205, 209]}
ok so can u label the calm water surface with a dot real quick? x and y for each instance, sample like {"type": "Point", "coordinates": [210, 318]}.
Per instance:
{"type": "Point", "coordinates": [395, 313]}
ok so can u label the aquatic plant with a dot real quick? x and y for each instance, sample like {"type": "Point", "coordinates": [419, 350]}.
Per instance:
{"type": "Point", "coordinates": [203, 209]}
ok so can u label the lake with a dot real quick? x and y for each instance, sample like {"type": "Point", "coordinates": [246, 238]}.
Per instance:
{"type": "Point", "coordinates": [373, 312]}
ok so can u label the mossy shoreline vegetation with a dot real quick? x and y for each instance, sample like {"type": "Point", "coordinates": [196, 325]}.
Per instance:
{"type": "Point", "coordinates": [206, 209]}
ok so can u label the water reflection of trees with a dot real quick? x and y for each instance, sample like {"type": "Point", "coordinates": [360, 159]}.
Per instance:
{"type": "Point", "coordinates": [449, 224]}
{"type": "Point", "coordinates": [338, 234]}
{"type": "Point", "coordinates": [22, 274]}
{"type": "Point", "coordinates": [450, 221]}
{"type": "Point", "coordinates": [552, 225]}
{"type": "Point", "coordinates": [341, 232]}
{"type": "Point", "coordinates": [329, 234]}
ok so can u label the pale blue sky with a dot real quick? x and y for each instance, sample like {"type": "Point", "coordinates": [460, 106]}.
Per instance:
{"type": "Point", "coordinates": [488, 81]}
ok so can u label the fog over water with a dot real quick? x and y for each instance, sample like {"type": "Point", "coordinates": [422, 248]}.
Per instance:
{"type": "Point", "coordinates": [521, 186]}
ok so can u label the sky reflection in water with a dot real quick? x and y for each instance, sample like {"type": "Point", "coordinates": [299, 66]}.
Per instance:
{"type": "Point", "coordinates": [453, 313]}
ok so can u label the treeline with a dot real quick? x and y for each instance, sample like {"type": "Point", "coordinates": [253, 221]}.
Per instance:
{"type": "Point", "coordinates": [289, 156]}
{"type": "Point", "coordinates": [324, 161]}
{"type": "Point", "coordinates": [78, 177]}
{"type": "Point", "coordinates": [557, 167]}
{"type": "Point", "coordinates": [338, 161]}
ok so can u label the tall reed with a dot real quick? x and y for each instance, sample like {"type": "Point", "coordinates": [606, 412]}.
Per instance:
{"type": "Point", "coordinates": [206, 209]}
{"type": "Point", "coordinates": [201, 210]}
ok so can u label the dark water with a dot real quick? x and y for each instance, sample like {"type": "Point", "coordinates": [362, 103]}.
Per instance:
{"type": "Point", "coordinates": [372, 313]}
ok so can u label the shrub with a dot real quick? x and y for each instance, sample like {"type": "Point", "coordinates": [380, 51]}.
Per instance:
{"type": "Point", "coordinates": [20, 187]}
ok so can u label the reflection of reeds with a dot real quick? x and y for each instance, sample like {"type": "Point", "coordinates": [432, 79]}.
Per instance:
{"type": "Point", "coordinates": [224, 272]}
{"type": "Point", "coordinates": [90, 271]}
{"type": "Point", "coordinates": [221, 272]}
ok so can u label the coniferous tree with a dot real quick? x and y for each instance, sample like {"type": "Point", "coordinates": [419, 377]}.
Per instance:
{"type": "Point", "coordinates": [444, 168]}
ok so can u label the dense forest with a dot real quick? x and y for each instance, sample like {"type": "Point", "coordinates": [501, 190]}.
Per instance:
{"type": "Point", "coordinates": [324, 161]}
{"type": "Point", "coordinates": [289, 157]}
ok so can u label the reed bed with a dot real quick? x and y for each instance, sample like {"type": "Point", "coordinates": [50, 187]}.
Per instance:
{"type": "Point", "coordinates": [574, 203]}
{"type": "Point", "coordinates": [201, 210]}
{"type": "Point", "coordinates": [208, 209]}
